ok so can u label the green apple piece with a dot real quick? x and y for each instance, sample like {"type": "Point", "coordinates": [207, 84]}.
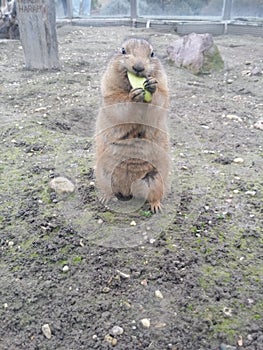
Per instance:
{"type": "Point", "coordinates": [137, 82]}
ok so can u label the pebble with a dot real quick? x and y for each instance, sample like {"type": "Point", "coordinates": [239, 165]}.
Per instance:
{"type": "Point", "coordinates": [40, 109]}
{"type": "Point", "coordinates": [111, 340]}
{"type": "Point", "coordinates": [123, 275]}
{"type": "Point", "coordinates": [256, 71]}
{"type": "Point", "coordinates": [205, 126]}
{"type": "Point", "coordinates": [227, 347]}
{"type": "Point", "coordinates": [238, 160]}
{"type": "Point", "coordinates": [62, 185]}
{"type": "Point", "coordinates": [259, 124]}
{"type": "Point", "coordinates": [65, 268]}
{"type": "Point", "coordinates": [184, 167]}
{"type": "Point", "coordinates": [240, 340]}
{"type": "Point", "coordinates": [114, 342]}
{"type": "Point", "coordinates": [116, 330]}
{"type": "Point", "coordinates": [133, 223]}
{"type": "Point", "coordinates": [250, 337]}
{"type": "Point", "coordinates": [100, 221]}
{"type": "Point", "coordinates": [245, 72]}
{"type": "Point", "coordinates": [227, 311]}
{"type": "Point", "coordinates": [158, 294]}
{"type": "Point", "coordinates": [251, 193]}
{"type": "Point", "coordinates": [145, 322]}
{"type": "Point", "coordinates": [46, 331]}
{"type": "Point", "coordinates": [233, 117]}
{"type": "Point", "coordinates": [160, 325]}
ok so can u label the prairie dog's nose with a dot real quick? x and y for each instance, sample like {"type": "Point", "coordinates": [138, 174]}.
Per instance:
{"type": "Point", "coordinates": [138, 67]}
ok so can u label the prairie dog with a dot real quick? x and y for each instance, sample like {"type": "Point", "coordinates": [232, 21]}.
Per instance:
{"type": "Point", "coordinates": [132, 142]}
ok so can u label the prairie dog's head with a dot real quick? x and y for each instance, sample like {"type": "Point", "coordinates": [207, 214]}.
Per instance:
{"type": "Point", "coordinates": [137, 56]}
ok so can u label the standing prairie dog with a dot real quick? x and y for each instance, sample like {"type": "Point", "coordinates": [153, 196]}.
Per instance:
{"type": "Point", "coordinates": [132, 142]}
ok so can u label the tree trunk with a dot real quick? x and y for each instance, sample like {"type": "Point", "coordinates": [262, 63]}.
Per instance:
{"type": "Point", "coordinates": [37, 25]}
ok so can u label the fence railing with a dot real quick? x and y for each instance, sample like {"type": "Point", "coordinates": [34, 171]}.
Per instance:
{"type": "Point", "coordinates": [167, 9]}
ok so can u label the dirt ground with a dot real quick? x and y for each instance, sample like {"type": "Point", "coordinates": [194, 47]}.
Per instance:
{"type": "Point", "coordinates": [102, 278]}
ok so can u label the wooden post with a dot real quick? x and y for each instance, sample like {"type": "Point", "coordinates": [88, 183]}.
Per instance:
{"type": "Point", "coordinates": [37, 26]}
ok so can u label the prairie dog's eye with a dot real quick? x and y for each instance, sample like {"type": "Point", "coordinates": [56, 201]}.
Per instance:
{"type": "Point", "coordinates": [152, 54]}
{"type": "Point", "coordinates": [123, 51]}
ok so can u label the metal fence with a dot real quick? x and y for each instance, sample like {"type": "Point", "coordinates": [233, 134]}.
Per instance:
{"type": "Point", "coordinates": [184, 16]}
{"type": "Point", "coordinates": [217, 9]}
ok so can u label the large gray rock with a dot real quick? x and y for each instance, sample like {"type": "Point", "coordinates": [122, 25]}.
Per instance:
{"type": "Point", "coordinates": [196, 52]}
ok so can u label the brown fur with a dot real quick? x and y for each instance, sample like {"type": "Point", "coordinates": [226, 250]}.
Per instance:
{"type": "Point", "coordinates": [132, 143]}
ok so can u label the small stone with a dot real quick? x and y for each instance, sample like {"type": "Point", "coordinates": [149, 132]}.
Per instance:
{"type": "Point", "coordinates": [159, 325]}
{"type": "Point", "coordinates": [10, 244]}
{"type": "Point", "coordinates": [126, 304]}
{"type": "Point", "coordinates": [227, 347]}
{"type": "Point", "coordinates": [133, 223]}
{"type": "Point", "coordinates": [256, 71]}
{"type": "Point", "coordinates": [184, 167]}
{"type": "Point", "coordinates": [236, 191]}
{"type": "Point", "coordinates": [158, 294]}
{"type": "Point", "coordinates": [233, 117]}
{"type": "Point", "coordinates": [65, 268]}
{"type": "Point", "coordinates": [100, 221]}
{"type": "Point", "coordinates": [5, 305]}
{"type": "Point", "coordinates": [240, 341]}
{"type": "Point", "coordinates": [246, 72]}
{"type": "Point", "coordinates": [145, 322]}
{"type": "Point", "coordinates": [144, 282]}
{"type": "Point", "coordinates": [123, 275]}
{"type": "Point", "coordinates": [259, 124]}
{"type": "Point", "coordinates": [40, 109]}
{"type": "Point", "coordinates": [116, 330]}
{"type": "Point", "coordinates": [227, 311]}
{"type": "Point", "coordinates": [62, 185]}
{"type": "Point", "coordinates": [251, 193]}
{"type": "Point", "coordinates": [230, 81]}
{"type": "Point", "coordinates": [111, 340]}
{"type": "Point", "coordinates": [114, 342]}
{"type": "Point", "coordinates": [46, 331]}
{"type": "Point", "coordinates": [238, 160]}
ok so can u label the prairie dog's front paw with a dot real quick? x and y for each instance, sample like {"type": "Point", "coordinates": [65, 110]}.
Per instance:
{"type": "Point", "coordinates": [137, 94]}
{"type": "Point", "coordinates": [150, 84]}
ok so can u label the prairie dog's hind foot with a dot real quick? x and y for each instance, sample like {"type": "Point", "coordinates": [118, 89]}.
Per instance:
{"type": "Point", "coordinates": [156, 207]}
